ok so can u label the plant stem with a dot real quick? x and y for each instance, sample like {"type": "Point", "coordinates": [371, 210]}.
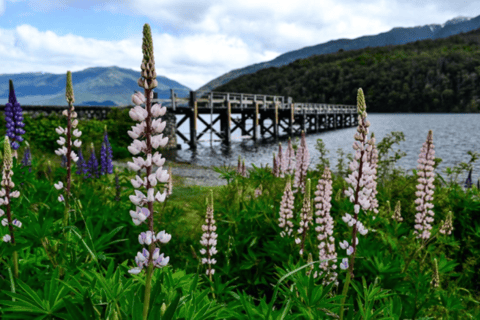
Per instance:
{"type": "Point", "coordinates": [15, 263]}
{"type": "Point", "coordinates": [344, 293]}
{"type": "Point", "coordinates": [148, 289]}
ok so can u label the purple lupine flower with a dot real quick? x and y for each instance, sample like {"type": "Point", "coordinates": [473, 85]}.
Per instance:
{"type": "Point", "coordinates": [324, 221]}
{"type": "Point", "coordinates": [14, 119]}
{"type": "Point", "coordinates": [372, 158]}
{"type": "Point", "coordinates": [425, 189]}
{"type": "Point", "coordinates": [468, 182]}
{"type": "Point", "coordinates": [305, 218]}
{"type": "Point", "coordinates": [81, 164]}
{"type": "Point", "coordinates": [27, 158]}
{"type": "Point", "coordinates": [92, 165]}
{"type": "Point", "coordinates": [286, 210]}
{"type": "Point", "coordinates": [209, 238]}
{"type": "Point", "coordinates": [106, 156]}
{"type": "Point", "coordinates": [361, 179]}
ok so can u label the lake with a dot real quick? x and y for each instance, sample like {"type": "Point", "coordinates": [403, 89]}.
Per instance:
{"type": "Point", "coordinates": [453, 135]}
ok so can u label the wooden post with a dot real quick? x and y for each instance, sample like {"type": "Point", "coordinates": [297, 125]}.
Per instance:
{"type": "Point", "coordinates": [228, 135]}
{"type": "Point", "coordinates": [255, 122]}
{"type": "Point", "coordinates": [172, 96]}
{"type": "Point", "coordinates": [317, 125]}
{"type": "Point", "coordinates": [302, 123]}
{"type": "Point", "coordinates": [193, 120]}
{"type": "Point", "coordinates": [291, 120]}
{"type": "Point", "coordinates": [275, 122]}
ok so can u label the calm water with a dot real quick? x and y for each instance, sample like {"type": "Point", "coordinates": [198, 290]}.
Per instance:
{"type": "Point", "coordinates": [453, 136]}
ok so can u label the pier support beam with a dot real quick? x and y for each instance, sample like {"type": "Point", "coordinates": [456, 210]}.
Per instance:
{"type": "Point", "coordinates": [275, 122]}
{"type": "Point", "coordinates": [193, 120]}
{"type": "Point", "coordinates": [255, 122]}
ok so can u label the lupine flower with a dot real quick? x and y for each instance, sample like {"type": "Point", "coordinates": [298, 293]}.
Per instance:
{"type": "Point", "coordinates": [310, 260]}
{"type": "Point", "coordinates": [361, 178]}
{"type": "Point", "coordinates": [397, 216]}
{"type": "Point", "coordinates": [209, 238]}
{"type": "Point", "coordinates": [344, 264]}
{"type": "Point", "coordinates": [244, 170]}
{"type": "Point", "coordinates": [6, 193]}
{"type": "Point", "coordinates": [67, 151]}
{"type": "Point", "coordinates": [275, 166]}
{"type": "Point", "coordinates": [372, 158]}
{"type": "Point", "coordinates": [286, 210]}
{"type": "Point", "coordinates": [14, 119]}
{"type": "Point", "coordinates": [425, 189]}
{"type": "Point", "coordinates": [239, 165]}
{"type": "Point", "coordinates": [170, 182]}
{"type": "Point", "coordinates": [447, 227]}
{"type": "Point", "coordinates": [436, 277]}
{"type": "Point", "coordinates": [302, 162]}
{"type": "Point", "coordinates": [468, 182]}
{"type": "Point", "coordinates": [27, 158]}
{"type": "Point", "coordinates": [258, 191]}
{"type": "Point", "coordinates": [289, 158]}
{"type": "Point", "coordinates": [324, 221]}
{"type": "Point", "coordinates": [281, 162]}
{"type": "Point", "coordinates": [106, 156]}
{"type": "Point", "coordinates": [92, 165]}
{"type": "Point", "coordinates": [305, 218]}
{"type": "Point", "coordinates": [81, 164]}
{"type": "Point", "coordinates": [146, 129]}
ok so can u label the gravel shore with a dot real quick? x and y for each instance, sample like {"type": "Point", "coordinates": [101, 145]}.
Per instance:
{"type": "Point", "coordinates": [194, 175]}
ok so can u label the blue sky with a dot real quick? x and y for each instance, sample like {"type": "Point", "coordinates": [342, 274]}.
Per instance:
{"type": "Point", "coordinates": [194, 41]}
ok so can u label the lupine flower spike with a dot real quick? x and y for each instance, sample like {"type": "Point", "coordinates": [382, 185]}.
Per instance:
{"type": "Point", "coordinates": [447, 226]}
{"type": "Point", "coordinates": [92, 165]}
{"type": "Point", "coordinates": [289, 158]}
{"type": "Point", "coordinates": [106, 156]}
{"type": "Point", "coordinates": [302, 162]}
{"type": "Point", "coordinates": [468, 182]}
{"type": "Point", "coordinates": [170, 182]}
{"type": "Point", "coordinates": [436, 277]}
{"type": "Point", "coordinates": [27, 158]}
{"type": "Point", "coordinates": [148, 128]}
{"type": "Point", "coordinates": [14, 120]}
{"type": "Point", "coordinates": [5, 198]}
{"type": "Point", "coordinates": [397, 215]}
{"type": "Point", "coordinates": [424, 216]}
{"type": "Point", "coordinates": [286, 210]}
{"type": "Point", "coordinates": [361, 180]}
{"type": "Point", "coordinates": [305, 218]}
{"type": "Point", "coordinates": [209, 238]}
{"type": "Point", "coordinates": [275, 166]}
{"type": "Point", "coordinates": [324, 221]}
{"type": "Point", "coordinates": [81, 164]}
{"type": "Point", "coordinates": [372, 158]}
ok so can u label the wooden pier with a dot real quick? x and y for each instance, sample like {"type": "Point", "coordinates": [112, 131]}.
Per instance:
{"type": "Point", "coordinates": [282, 113]}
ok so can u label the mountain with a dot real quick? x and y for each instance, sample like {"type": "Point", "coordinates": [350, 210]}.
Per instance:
{"type": "Point", "coordinates": [102, 86]}
{"type": "Point", "coordinates": [393, 37]}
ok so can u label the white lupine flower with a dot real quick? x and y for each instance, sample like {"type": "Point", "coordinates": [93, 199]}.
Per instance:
{"type": "Point", "coordinates": [4, 222]}
{"type": "Point", "coordinates": [15, 194]}
{"type": "Point", "coordinates": [74, 123]}
{"type": "Point", "coordinates": [61, 198]}
{"type": "Point", "coordinates": [163, 237]}
{"type": "Point", "coordinates": [17, 223]}
{"type": "Point", "coordinates": [135, 270]}
{"type": "Point", "coordinates": [7, 238]}
{"type": "Point", "coordinates": [160, 197]}
{"type": "Point", "coordinates": [60, 130]}
{"type": "Point", "coordinates": [344, 264]}
{"type": "Point", "coordinates": [134, 166]}
{"type": "Point", "coordinates": [344, 244]}
{"type": "Point", "coordinates": [58, 185]}
{"type": "Point", "coordinates": [73, 156]}
{"type": "Point", "coordinates": [61, 141]}
{"type": "Point", "coordinates": [77, 133]}
{"type": "Point", "coordinates": [77, 143]}
{"type": "Point", "coordinates": [2, 212]}
{"type": "Point", "coordinates": [150, 195]}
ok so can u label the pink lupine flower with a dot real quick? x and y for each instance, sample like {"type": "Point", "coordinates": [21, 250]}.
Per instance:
{"type": "Point", "coordinates": [289, 158]}
{"type": "Point", "coordinates": [151, 258]}
{"type": "Point", "coordinates": [324, 221]}
{"type": "Point", "coordinates": [286, 210]}
{"type": "Point", "coordinates": [281, 162]}
{"type": "Point", "coordinates": [302, 162]}
{"type": "Point", "coordinates": [6, 191]}
{"type": "Point", "coordinates": [275, 166]}
{"type": "Point", "coordinates": [169, 187]}
{"type": "Point", "coordinates": [447, 227]}
{"type": "Point", "coordinates": [305, 218]}
{"type": "Point", "coordinates": [209, 238]}
{"type": "Point", "coordinates": [396, 215]}
{"type": "Point", "coordinates": [372, 158]}
{"type": "Point", "coordinates": [425, 189]}
{"type": "Point", "coordinates": [361, 178]}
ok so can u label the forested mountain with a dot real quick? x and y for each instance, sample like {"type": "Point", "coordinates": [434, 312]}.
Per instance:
{"type": "Point", "coordinates": [393, 37]}
{"type": "Point", "coordinates": [440, 75]}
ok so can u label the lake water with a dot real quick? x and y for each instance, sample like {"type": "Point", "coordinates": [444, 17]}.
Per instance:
{"type": "Point", "coordinates": [453, 136]}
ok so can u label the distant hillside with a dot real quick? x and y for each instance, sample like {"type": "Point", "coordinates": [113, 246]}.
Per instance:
{"type": "Point", "coordinates": [440, 75]}
{"type": "Point", "coordinates": [93, 86]}
{"type": "Point", "coordinates": [393, 37]}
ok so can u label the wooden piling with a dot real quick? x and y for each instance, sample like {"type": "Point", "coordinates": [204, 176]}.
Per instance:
{"type": "Point", "coordinates": [193, 120]}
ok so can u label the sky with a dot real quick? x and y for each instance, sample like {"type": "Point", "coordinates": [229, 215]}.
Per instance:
{"type": "Point", "coordinates": [194, 41]}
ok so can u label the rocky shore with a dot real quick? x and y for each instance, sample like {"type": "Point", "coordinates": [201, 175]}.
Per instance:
{"type": "Point", "coordinates": [194, 175]}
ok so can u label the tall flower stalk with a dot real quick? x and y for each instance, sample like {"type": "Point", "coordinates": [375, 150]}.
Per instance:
{"type": "Point", "coordinates": [302, 162]}
{"type": "Point", "coordinates": [106, 156]}
{"type": "Point", "coordinates": [362, 184]}
{"type": "Point", "coordinates": [286, 210]}
{"type": "Point", "coordinates": [14, 120]}
{"type": "Point", "coordinates": [289, 158]}
{"type": "Point", "coordinates": [6, 194]}
{"type": "Point", "coordinates": [424, 216]}
{"type": "Point", "coordinates": [148, 126]}
{"type": "Point", "coordinates": [66, 150]}
{"type": "Point", "coordinates": [324, 221]}
{"type": "Point", "coordinates": [306, 218]}
{"type": "Point", "coordinates": [209, 238]}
